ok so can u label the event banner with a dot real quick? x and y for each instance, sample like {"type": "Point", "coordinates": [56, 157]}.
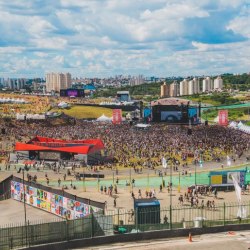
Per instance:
{"type": "Point", "coordinates": [223, 117]}
{"type": "Point", "coordinates": [117, 116]}
{"type": "Point", "coordinates": [50, 202]}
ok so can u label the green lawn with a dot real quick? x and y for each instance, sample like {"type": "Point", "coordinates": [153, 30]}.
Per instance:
{"type": "Point", "coordinates": [86, 112]}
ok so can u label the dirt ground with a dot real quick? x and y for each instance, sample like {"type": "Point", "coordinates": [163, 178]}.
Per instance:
{"type": "Point", "coordinates": [11, 210]}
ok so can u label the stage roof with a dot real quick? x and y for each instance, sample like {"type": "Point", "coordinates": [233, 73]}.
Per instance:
{"type": "Point", "coordinates": [57, 145]}
{"type": "Point", "coordinates": [170, 101]}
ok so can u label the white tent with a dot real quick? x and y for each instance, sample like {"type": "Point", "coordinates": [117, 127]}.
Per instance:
{"type": "Point", "coordinates": [142, 125]}
{"type": "Point", "coordinates": [216, 119]}
{"type": "Point", "coordinates": [240, 124]}
{"type": "Point", "coordinates": [103, 118]}
{"type": "Point", "coordinates": [63, 105]}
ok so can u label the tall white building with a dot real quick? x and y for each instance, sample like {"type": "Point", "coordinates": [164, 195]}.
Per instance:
{"type": "Point", "coordinates": [57, 81]}
{"type": "Point", "coordinates": [174, 89]}
{"type": "Point", "coordinates": [20, 83]}
{"type": "Point", "coordinates": [191, 87]}
{"type": "Point", "coordinates": [206, 84]}
{"type": "Point", "coordinates": [184, 87]}
{"type": "Point", "coordinates": [139, 80]}
{"type": "Point", "coordinates": [218, 83]}
{"type": "Point", "coordinates": [11, 83]}
{"type": "Point", "coordinates": [196, 86]}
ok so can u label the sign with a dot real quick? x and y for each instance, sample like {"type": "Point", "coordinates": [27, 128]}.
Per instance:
{"type": "Point", "coordinates": [117, 116]}
{"type": "Point", "coordinates": [223, 117]}
{"type": "Point", "coordinates": [216, 179]}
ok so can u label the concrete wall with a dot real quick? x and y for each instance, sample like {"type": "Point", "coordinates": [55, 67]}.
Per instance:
{"type": "Point", "coordinates": [138, 236]}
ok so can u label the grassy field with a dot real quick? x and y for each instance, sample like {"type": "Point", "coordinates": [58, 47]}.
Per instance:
{"type": "Point", "coordinates": [86, 112]}
{"type": "Point", "coordinates": [233, 114]}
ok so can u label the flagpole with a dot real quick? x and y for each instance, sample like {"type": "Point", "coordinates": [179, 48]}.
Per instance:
{"type": "Point", "coordinates": [179, 186]}
{"type": "Point", "coordinates": [148, 183]}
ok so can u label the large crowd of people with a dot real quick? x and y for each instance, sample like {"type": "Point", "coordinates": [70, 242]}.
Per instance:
{"type": "Point", "coordinates": [127, 146]}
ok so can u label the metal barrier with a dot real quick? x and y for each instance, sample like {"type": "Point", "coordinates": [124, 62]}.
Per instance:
{"type": "Point", "coordinates": [121, 221]}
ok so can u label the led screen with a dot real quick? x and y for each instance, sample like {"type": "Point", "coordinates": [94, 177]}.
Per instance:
{"type": "Point", "coordinates": [72, 92]}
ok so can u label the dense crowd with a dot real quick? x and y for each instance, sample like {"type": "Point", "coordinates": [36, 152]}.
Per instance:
{"type": "Point", "coordinates": [129, 146]}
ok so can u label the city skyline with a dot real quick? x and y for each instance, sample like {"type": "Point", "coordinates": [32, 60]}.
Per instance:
{"type": "Point", "coordinates": [101, 38]}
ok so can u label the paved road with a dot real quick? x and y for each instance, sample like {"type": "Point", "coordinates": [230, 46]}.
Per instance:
{"type": "Point", "coordinates": [221, 241]}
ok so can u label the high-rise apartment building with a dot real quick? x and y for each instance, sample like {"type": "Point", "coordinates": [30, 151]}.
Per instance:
{"type": "Point", "coordinates": [174, 89]}
{"type": "Point", "coordinates": [218, 83]}
{"type": "Point", "coordinates": [206, 84]}
{"type": "Point", "coordinates": [184, 87]}
{"type": "Point", "coordinates": [196, 86]}
{"type": "Point", "coordinates": [139, 80]}
{"type": "Point", "coordinates": [20, 83]}
{"type": "Point", "coordinates": [57, 81]}
{"type": "Point", "coordinates": [165, 89]}
{"type": "Point", "coordinates": [191, 87]}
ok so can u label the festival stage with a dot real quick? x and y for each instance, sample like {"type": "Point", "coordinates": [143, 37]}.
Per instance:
{"type": "Point", "coordinates": [44, 148]}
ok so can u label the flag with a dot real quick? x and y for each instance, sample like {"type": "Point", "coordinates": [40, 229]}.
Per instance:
{"type": "Point", "coordinates": [228, 161]}
{"type": "Point", "coordinates": [164, 162]}
{"type": "Point", "coordinates": [237, 188]}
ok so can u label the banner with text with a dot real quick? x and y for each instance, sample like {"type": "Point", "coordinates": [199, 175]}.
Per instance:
{"type": "Point", "coordinates": [117, 116]}
{"type": "Point", "coordinates": [223, 117]}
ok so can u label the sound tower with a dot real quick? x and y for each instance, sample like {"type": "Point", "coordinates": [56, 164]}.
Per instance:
{"type": "Point", "coordinates": [3, 131]}
{"type": "Point", "coordinates": [63, 92]}
{"type": "Point", "coordinates": [184, 110]}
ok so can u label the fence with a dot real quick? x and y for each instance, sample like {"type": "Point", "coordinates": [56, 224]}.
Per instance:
{"type": "Point", "coordinates": [16, 236]}
{"type": "Point", "coordinates": [184, 217]}
{"type": "Point", "coordinates": [121, 221]}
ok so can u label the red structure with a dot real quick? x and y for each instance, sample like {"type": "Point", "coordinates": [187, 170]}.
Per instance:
{"type": "Point", "coordinates": [223, 117]}
{"type": "Point", "coordinates": [54, 149]}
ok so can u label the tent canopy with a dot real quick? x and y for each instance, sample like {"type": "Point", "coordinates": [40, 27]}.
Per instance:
{"type": "Point", "coordinates": [141, 125]}
{"type": "Point", "coordinates": [104, 118]}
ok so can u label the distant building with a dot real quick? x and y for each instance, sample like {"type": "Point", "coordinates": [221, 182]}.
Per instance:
{"type": "Point", "coordinates": [184, 87]}
{"type": "Point", "coordinates": [206, 84]}
{"type": "Point", "coordinates": [138, 80]}
{"type": "Point", "coordinates": [10, 83]}
{"type": "Point", "coordinates": [174, 89]}
{"type": "Point", "coordinates": [57, 81]}
{"type": "Point", "coordinates": [191, 87]}
{"type": "Point", "coordinates": [196, 86]}
{"type": "Point", "coordinates": [218, 83]}
{"type": "Point", "coordinates": [165, 89]}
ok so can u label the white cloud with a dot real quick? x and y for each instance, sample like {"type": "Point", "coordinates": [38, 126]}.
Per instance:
{"type": "Point", "coordinates": [50, 43]}
{"type": "Point", "coordinates": [11, 50]}
{"type": "Point", "coordinates": [163, 37]}
{"type": "Point", "coordinates": [39, 27]}
{"type": "Point", "coordinates": [240, 24]}
{"type": "Point", "coordinates": [41, 54]}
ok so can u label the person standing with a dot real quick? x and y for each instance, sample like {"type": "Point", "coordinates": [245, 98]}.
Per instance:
{"type": "Point", "coordinates": [59, 182]}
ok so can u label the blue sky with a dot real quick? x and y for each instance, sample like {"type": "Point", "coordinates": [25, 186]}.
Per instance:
{"type": "Point", "coordinates": [101, 38]}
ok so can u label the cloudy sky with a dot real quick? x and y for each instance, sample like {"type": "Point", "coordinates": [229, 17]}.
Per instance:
{"type": "Point", "coordinates": [103, 38]}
